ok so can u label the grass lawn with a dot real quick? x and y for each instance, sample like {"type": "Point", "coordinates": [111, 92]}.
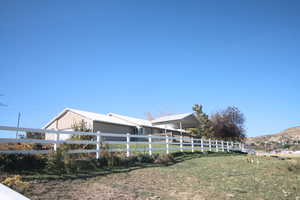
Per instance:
{"type": "Point", "coordinates": [143, 148]}
{"type": "Point", "coordinates": [193, 176]}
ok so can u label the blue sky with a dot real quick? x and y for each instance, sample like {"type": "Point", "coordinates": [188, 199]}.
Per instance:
{"type": "Point", "coordinates": [131, 57]}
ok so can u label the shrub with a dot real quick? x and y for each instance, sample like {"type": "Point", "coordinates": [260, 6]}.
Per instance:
{"type": "Point", "coordinates": [16, 183]}
{"type": "Point", "coordinates": [176, 154]}
{"type": "Point", "coordinates": [84, 165]}
{"type": "Point", "coordinates": [103, 161]}
{"type": "Point", "coordinates": [286, 146]}
{"type": "Point", "coordinates": [127, 162]}
{"type": "Point", "coordinates": [35, 135]}
{"type": "Point", "coordinates": [145, 158]}
{"type": "Point", "coordinates": [113, 161]}
{"type": "Point", "coordinates": [61, 161]}
{"type": "Point", "coordinates": [165, 159]}
{"type": "Point", "coordinates": [82, 146]}
{"type": "Point", "coordinates": [20, 162]}
{"type": "Point", "coordinates": [57, 163]}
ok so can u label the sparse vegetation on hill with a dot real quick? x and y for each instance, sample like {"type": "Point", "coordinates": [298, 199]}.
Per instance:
{"type": "Point", "coordinates": [288, 139]}
{"type": "Point", "coordinates": [289, 135]}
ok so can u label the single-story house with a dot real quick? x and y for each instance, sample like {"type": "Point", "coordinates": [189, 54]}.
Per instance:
{"type": "Point", "coordinates": [116, 123]}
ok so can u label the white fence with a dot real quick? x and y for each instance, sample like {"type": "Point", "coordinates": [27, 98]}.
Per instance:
{"type": "Point", "coordinates": [8, 194]}
{"type": "Point", "coordinates": [143, 143]}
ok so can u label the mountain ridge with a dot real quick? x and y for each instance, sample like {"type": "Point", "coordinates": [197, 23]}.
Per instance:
{"type": "Point", "coordinates": [289, 134]}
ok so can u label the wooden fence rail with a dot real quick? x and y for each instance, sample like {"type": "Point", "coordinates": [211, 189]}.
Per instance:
{"type": "Point", "coordinates": [147, 142]}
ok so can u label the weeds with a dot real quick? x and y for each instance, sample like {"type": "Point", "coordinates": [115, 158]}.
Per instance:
{"type": "Point", "coordinates": [294, 166]}
{"type": "Point", "coordinates": [16, 183]}
{"type": "Point", "coordinates": [61, 162]}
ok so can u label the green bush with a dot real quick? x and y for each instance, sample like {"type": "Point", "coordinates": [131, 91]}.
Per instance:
{"type": "Point", "coordinates": [145, 158]}
{"type": "Point", "coordinates": [128, 161]}
{"type": "Point", "coordinates": [103, 161]}
{"type": "Point", "coordinates": [177, 154]}
{"type": "Point", "coordinates": [111, 160]}
{"type": "Point", "coordinates": [58, 162]}
{"type": "Point", "coordinates": [61, 162]}
{"type": "Point", "coordinates": [84, 165]}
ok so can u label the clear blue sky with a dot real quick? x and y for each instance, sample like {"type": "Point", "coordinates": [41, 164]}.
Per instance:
{"type": "Point", "coordinates": [131, 57]}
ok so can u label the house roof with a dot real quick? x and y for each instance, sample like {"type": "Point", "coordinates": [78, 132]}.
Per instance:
{"type": "Point", "coordinates": [92, 116]}
{"type": "Point", "coordinates": [133, 120]}
{"type": "Point", "coordinates": [171, 117]}
{"type": "Point", "coordinates": [120, 119]}
{"type": "Point", "coordinates": [142, 122]}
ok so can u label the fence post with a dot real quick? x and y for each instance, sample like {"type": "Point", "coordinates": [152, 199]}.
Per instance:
{"type": "Point", "coordinates": [202, 145]}
{"type": "Point", "coordinates": [56, 139]}
{"type": "Point", "coordinates": [192, 140]}
{"type": "Point", "coordinates": [127, 144]}
{"type": "Point", "coordinates": [150, 145]}
{"type": "Point", "coordinates": [209, 143]}
{"type": "Point", "coordinates": [217, 146]}
{"type": "Point", "coordinates": [98, 145]}
{"type": "Point", "coordinates": [232, 145]}
{"type": "Point", "coordinates": [181, 149]}
{"type": "Point", "coordinates": [222, 143]}
{"type": "Point", "coordinates": [167, 143]}
{"type": "Point", "coordinates": [227, 146]}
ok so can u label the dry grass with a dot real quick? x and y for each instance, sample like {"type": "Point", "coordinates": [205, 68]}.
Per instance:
{"type": "Point", "coordinates": [22, 146]}
{"type": "Point", "coordinates": [14, 146]}
{"type": "Point", "coordinates": [193, 177]}
{"type": "Point", "coordinates": [281, 155]}
{"type": "Point", "coordinates": [289, 155]}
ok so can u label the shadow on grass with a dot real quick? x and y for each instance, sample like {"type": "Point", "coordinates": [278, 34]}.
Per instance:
{"type": "Point", "coordinates": [178, 158]}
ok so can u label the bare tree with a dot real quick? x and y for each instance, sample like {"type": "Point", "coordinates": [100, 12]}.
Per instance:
{"type": "Point", "coordinates": [149, 116]}
{"type": "Point", "coordinates": [229, 124]}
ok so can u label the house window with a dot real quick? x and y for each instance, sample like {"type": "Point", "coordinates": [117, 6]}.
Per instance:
{"type": "Point", "coordinates": [140, 131]}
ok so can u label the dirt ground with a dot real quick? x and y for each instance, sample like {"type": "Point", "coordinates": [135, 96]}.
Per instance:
{"type": "Point", "coordinates": [141, 184]}
{"type": "Point", "coordinates": [230, 177]}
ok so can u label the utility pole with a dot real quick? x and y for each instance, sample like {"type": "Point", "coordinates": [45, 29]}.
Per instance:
{"type": "Point", "coordinates": [18, 125]}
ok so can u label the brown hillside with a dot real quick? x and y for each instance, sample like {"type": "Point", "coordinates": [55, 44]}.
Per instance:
{"type": "Point", "coordinates": [290, 134]}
